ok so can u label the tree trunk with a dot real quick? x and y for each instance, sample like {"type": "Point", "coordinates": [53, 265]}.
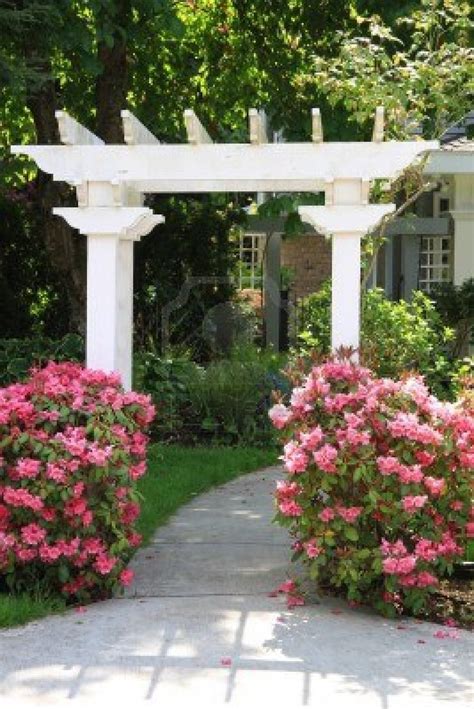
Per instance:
{"type": "Point", "coordinates": [66, 249]}
{"type": "Point", "coordinates": [112, 82]}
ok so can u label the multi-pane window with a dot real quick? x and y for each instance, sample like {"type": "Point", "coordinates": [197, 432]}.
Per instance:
{"type": "Point", "coordinates": [435, 261]}
{"type": "Point", "coordinates": [251, 256]}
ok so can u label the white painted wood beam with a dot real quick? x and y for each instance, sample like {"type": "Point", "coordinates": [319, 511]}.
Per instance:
{"type": "Point", "coordinates": [317, 126]}
{"type": "Point", "coordinates": [379, 122]}
{"type": "Point", "coordinates": [72, 132]}
{"type": "Point", "coordinates": [258, 126]}
{"type": "Point", "coordinates": [123, 222]}
{"type": "Point", "coordinates": [197, 134]}
{"type": "Point", "coordinates": [134, 132]}
{"type": "Point", "coordinates": [286, 167]}
{"type": "Point", "coordinates": [342, 219]}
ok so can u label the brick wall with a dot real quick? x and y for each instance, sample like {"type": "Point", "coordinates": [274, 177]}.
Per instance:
{"type": "Point", "coordinates": [309, 257]}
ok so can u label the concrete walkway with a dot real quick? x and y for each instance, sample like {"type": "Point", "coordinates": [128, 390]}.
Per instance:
{"type": "Point", "coordinates": [198, 629]}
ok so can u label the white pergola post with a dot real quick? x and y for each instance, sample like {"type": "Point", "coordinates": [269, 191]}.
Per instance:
{"type": "Point", "coordinates": [111, 233]}
{"type": "Point", "coordinates": [345, 300]}
{"type": "Point", "coordinates": [346, 225]}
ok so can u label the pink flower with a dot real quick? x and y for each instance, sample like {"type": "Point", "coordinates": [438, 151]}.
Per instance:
{"type": "Point", "coordinates": [27, 554]}
{"type": "Point", "coordinates": [447, 546]}
{"type": "Point", "coordinates": [467, 460]}
{"type": "Point", "coordinates": [49, 553]}
{"type": "Point", "coordinates": [126, 577]}
{"type": "Point", "coordinates": [288, 586]}
{"type": "Point", "coordinates": [93, 545]}
{"type": "Point", "coordinates": [426, 579]}
{"type": "Point", "coordinates": [104, 564]}
{"type": "Point", "coordinates": [349, 514]}
{"type": "Point", "coordinates": [424, 458]}
{"type": "Point", "coordinates": [312, 549]}
{"type": "Point", "coordinates": [55, 472]}
{"type": "Point", "coordinates": [4, 517]}
{"type": "Point", "coordinates": [411, 503]}
{"type": "Point", "coordinates": [294, 600]}
{"type": "Point", "coordinates": [98, 456]}
{"type": "Point", "coordinates": [410, 474]}
{"type": "Point", "coordinates": [129, 512]}
{"type": "Point", "coordinates": [402, 565]}
{"type": "Point", "coordinates": [388, 464]}
{"type": "Point", "coordinates": [290, 508]}
{"type": "Point", "coordinates": [396, 549]}
{"type": "Point", "coordinates": [27, 468]}
{"type": "Point", "coordinates": [408, 426]}
{"type": "Point", "coordinates": [22, 498]}
{"type": "Point", "coordinates": [134, 539]}
{"type": "Point", "coordinates": [286, 489]}
{"type": "Point", "coordinates": [279, 415]}
{"type": "Point", "coordinates": [87, 518]}
{"type": "Point", "coordinates": [426, 549]}
{"type": "Point", "coordinates": [470, 530]}
{"type": "Point", "coordinates": [434, 485]}
{"type": "Point", "coordinates": [327, 514]}
{"type": "Point", "coordinates": [33, 534]}
{"type": "Point", "coordinates": [75, 507]}
{"type": "Point", "coordinates": [295, 459]}
{"type": "Point", "coordinates": [300, 400]}
{"type": "Point", "coordinates": [325, 458]}
{"type": "Point", "coordinates": [311, 440]}
{"type": "Point", "coordinates": [137, 471]}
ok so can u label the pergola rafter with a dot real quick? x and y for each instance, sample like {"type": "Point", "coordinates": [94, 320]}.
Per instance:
{"type": "Point", "coordinates": [110, 181]}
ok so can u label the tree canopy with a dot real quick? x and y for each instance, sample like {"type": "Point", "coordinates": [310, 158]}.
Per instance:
{"type": "Point", "coordinates": [219, 57]}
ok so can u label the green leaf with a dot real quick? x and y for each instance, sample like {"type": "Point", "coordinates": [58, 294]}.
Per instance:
{"type": "Point", "coordinates": [351, 533]}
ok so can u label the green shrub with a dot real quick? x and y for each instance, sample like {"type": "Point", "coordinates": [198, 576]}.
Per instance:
{"type": "Point", "coordinates": [166, 379]}
{"type": "Point", "coordinates": [17, 356]}
{"type": "Point", "coordinates": [456, 306]}
{"type": "Point", "coordinates": [225, 402]}
{"type": "Point", "coordinates": [396, 336]}
{"type": "Point", "coordinates": [230, 400]}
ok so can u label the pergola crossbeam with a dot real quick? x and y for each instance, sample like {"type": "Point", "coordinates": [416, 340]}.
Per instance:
{"type": "Point", "coordinates": [197, 134]}
{"type": "Point", "coordinates": [134, 132]}
{"type": "Point", "coordinates": [72, 132]}
{"type": "Point", "coordinates": [258, 126]}
{"type": "Point", "coordinates": [317, 126]}
{"type": "Point", "coordinates": [379, 122]}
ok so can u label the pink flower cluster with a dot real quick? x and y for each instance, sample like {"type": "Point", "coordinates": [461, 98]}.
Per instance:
{"type": "Point", "coordinates": [386, 456]}
{"type": "Point", "coordinates": [348, 514]}
{"type": "Point", "coordinates": [74, 449]}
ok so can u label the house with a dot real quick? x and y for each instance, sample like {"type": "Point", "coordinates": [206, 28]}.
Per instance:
{"type": "Point", "coordinates": [430, 244]}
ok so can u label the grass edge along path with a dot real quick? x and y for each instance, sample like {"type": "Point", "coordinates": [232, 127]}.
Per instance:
{"type": "Point", "coordinates": [175, 475]}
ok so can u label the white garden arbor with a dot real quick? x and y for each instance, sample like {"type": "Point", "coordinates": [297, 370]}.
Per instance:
{"type": "Point", "coordinates": [111, 181]}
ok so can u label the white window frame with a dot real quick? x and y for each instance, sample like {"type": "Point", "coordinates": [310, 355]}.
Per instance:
{"type": "Point", "coordinates": [436, 269]}
{"type": "Point", "coordinates": [256, 250]}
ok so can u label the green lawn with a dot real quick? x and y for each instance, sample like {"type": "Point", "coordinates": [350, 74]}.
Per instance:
{"type": "Point", "coordinates": [175, 475]}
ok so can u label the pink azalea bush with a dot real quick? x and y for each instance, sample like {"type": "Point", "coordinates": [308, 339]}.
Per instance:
{"type": "Point", "coordinates": [72, 446]}
{"type": "Point", "coordinates": [379, 483]}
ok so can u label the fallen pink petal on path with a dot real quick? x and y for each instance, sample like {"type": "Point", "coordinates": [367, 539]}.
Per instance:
{"type": "Point", "coordinates": [226, 661]}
